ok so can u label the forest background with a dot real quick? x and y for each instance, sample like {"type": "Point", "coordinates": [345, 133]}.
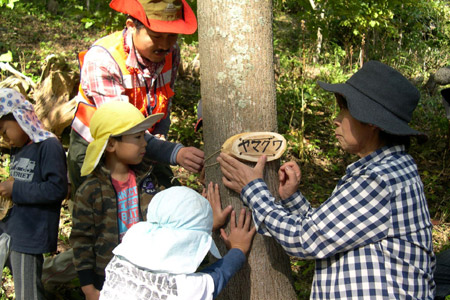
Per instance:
{"type": "Point", "coordinates": [314, 40]}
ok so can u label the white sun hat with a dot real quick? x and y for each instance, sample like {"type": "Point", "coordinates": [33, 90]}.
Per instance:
{"type": "Point", "coordinates": [176, 236]}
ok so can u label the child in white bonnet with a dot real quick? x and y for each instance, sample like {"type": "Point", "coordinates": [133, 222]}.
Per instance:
{"type": "Point", "coordinates": [158, 259]}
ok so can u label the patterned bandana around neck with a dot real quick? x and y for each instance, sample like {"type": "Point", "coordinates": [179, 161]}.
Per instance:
{"type": "Point", "coordinates": [14, 102]}
{"type": "Point", "coordinates": [135, 60]}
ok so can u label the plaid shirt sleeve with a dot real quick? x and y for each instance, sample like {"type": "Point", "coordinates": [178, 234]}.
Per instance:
{"type": "Point", "coordinates": [356, 214]}
{"type": "Point", "coordinates": [101, 79]}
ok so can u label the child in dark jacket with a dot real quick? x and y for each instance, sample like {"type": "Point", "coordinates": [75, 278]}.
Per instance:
{"type": "Point", "coordinates": [37, 186]}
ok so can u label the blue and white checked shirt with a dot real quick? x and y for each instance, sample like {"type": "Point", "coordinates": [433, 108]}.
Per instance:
{"type": "Point", "coordinates": [371, 239]}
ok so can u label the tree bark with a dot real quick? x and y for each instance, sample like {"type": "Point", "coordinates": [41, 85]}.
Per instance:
{"type": "Point", "coordinates": [319, 34]}
{"type": "Point", "coordinates": [238, 95]}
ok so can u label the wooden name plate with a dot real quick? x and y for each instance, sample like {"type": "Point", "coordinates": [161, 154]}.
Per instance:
{"type": "Point", "coordinates": [249, 146]}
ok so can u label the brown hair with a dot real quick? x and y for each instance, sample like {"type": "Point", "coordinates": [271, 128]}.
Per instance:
{"type": "Point", "coordinates": [341, 101]}
{"type": "Point", "coordinates": [136, 22]}
{"type": "Point", "coordinates": [8, 117]}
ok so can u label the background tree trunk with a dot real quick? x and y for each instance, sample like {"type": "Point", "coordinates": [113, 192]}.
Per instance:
{"type": "Point", "coordinates": [319, 34]}
{"type": "Point", "coordinates": [238, 95]}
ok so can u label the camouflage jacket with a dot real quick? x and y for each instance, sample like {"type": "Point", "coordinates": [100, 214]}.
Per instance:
{"type": "Point", "coordinates": [95, 229]}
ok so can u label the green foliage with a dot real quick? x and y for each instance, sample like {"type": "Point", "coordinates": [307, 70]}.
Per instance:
{"type": "Point", "coordinates": [408, 28]}
{"type": "Point", "coordinates": [4, 168]}
{"type": "Point", "coordinates": [6, 277]}
{"type": "Point", "coordinates": [8, 3]}
{"type": "Point", "coordinates": [302, 276]}
{"type": "Point", "coordinates": [97, 16]}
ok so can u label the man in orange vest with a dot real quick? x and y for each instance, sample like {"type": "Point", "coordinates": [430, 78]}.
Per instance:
{"type": "Point", "coordinates": [138, 65]}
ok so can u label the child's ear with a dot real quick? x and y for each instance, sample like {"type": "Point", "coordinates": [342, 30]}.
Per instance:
{"type": "Point", "coordinates": [111, 145]}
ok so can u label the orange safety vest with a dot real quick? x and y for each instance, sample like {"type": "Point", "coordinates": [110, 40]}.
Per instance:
{"type": "Point", "coordinates": [133, 82]}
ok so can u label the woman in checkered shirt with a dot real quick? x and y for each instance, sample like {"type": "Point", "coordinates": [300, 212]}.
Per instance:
{"type": "Point", "coordinates": [371, 238]}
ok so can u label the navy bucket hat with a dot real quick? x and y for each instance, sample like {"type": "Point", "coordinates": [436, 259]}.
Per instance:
{"type": "Point", "coordinates": [446, 101]}
{"type": "Point", "coordinates": [379, 95]}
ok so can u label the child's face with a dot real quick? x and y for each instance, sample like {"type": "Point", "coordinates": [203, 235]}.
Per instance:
{"type": "Point", "coordinates": [353, 136]}
{"type": "Point", "coordinates": [131, 148]}
{"type": "Point", "coordinates": [13, 134]}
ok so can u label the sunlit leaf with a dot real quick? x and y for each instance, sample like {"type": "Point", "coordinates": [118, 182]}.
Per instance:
{"type": "Point", "coordinates": [88, 24]}
{"type": "Point", "coordinates": [373, 23]}
{"type": "Point", "coordinates": [6, 57]}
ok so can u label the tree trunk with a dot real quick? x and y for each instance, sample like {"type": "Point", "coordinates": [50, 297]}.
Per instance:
{"type": "Point", "coordinates": [319, 33]}
{"type": "Point", "coordinates": [238, 95]}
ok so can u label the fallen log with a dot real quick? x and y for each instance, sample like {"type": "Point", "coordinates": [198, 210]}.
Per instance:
{"type": "Point", "coordinates": [54, 93]}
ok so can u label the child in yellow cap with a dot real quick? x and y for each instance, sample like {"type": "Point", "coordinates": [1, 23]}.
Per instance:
{"type": "Point", "coordinates": [116, 192]}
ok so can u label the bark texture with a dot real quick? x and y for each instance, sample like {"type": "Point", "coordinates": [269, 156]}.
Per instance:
{"type": "Point", "coordinates": [238, 95]}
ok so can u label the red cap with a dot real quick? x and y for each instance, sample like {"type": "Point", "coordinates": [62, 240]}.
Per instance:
{"type": "Point", "coordinates": [183, 18]}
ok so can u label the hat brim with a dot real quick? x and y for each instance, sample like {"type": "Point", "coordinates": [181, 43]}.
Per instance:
{"type": "Point", "coordinates": [145, 124]}
{"type": "Point", "coordinates": [446, 95]}
{"type": "Point", "coordinates": [198, 125]}
{"type": "Point", "coordinates": [363, 109]}
{"type": "Point", "coordinates": [186, 25]}
{"type": "Point", "coordinates": [214, 250]}
{"type": "Point", "coordinates": [446, 101]}
{"type": "Point", "coordinates": [179, 251]}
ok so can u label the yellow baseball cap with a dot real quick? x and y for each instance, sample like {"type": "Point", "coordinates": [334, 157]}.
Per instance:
{"type": "Point", "coordinates": [113, 119]}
